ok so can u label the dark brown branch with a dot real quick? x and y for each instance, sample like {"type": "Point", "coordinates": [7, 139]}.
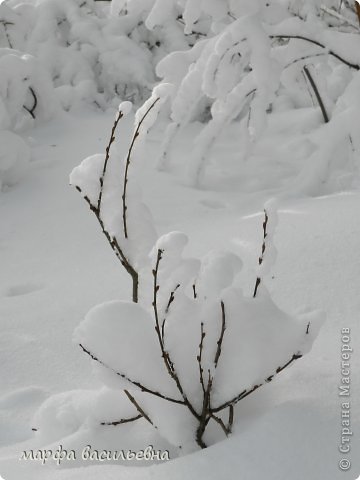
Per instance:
{"type": "Point", "coordinates": [141, 387]}
{"type": "Point", "coordinates": [170, 301]}
{"type": "Point", "coordinates": [6, 24]}
{"type": "Point", "coordinates": [219, 421]}
{"type": "Point", "coordinates": [171, 298]}
{"type": "Point", "coordinates": [248, 392]}
{"type": "Point", "coordinates": [138, 408]}
{"type": "Point", "coordinates": [107, 156]}
{"type": "Point", "coordinates": [317, 94]}
{"type": "Point", "coordinates": [199, 358]}
{"type": "Point", "coordinates": [117, 249]}
{"type": "Point", "coordinates": [127, 164]}
{"type": "Point", "coordinates": [122, 421]}
{"type": "Point", "coordinates": [231, 418]}
{"type": "Point", "coordinates": [221, 338]}
{"type": "Point", "coordinates": [165, 355]}
{"type": "Point", "coordinates": [205, 413]}
{"type": "Point", "coordinates": [31, 110]}
{"type": "Point", "coordinates": [263, 248]}
{"type": "Point", "coordinates": [357, 9]}
{"type": "Point", "coordinates": [315, 42]}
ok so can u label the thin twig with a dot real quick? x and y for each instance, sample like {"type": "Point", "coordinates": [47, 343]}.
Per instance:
{"type": "Point", "coordinates": [127, 164]}
{"type": "Point", "coordinates": [221, 338]}
{"type": "Point", "coordinates": [263, 248]}
{"type": "Point", "coordinates": [117, 249]}
{"type": "Point", "coordinates": [122, 421]}
{"type": "Point", "coordinates": [169, 364]}
{"type": "Point", "coordinates": [31, 110]}
{"type": "Point", "coordinates": [199, 358]}
{"type": "Point", "coordinates": [142, 387]}
{"type": "Point", "coordinates": [305, 57]}
{"type": "Point", "coordinates": [6, 24]}
{"type": "Point", "coordinates": [315, 42]}
{"type": "Point", "coordinates": [247, 392]}
{"type": "Point", "coordinates": [317, 94]}
{"type": "Point", "coordinates": [219, 421]}
{"type": "Point", "coordinates": [205, 413]}
{"type": "Point", "coordinates": [138, 408]}
{"type": "Point", "coordinates": [231, 418]}
{"type": "Point", "coordinates": [170, 301]}
{"type": "Point", "coordinates": [107, 156]}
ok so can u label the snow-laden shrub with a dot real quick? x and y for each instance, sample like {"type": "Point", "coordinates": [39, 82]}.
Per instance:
{"type": "Point", "coordinates": [257, 60]}
{"type": "Point", "coordinates": [93, 52]}
{"type": "Point", "coordinates": [26, 95]}
{"type": "Point", "coordinates": [191, 345]}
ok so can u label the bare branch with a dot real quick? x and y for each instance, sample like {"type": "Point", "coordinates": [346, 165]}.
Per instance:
{"type": "Point", "coordinates": [138, 408]}
{"type": "Point", "coordinates": [117, 249]}
{"type": "Point", "coordinates": [315, 42]}
{"type": "Point", "coordinates": [127, 164]}
{"type": "Point", "coordinates": [107, 156]}
{"type": "Point", "coordinates": [122, 421]}
{"type": "Point", "coordinates": [199, 358]}
{"type": "Point", "coordinates": [263, 248]}
{"type": "Point", "coordinates": [143, 388]}
{"type": "Point", "coordinates": [170, 301]}
{"type": "Point", "coordinates": [31, 110]}
{"type": "Point", "coordinates": [165, 355]}
{"type": "Point", "coordinates": [231, 418]}
{"type": "Point", "coordinates": [219, 421]}
{"type": "Point", "coordinates": [248, 392]}
{"type": "Point", "coordinates": [317, 94]}
{"type": "Point", "coordinates": [357, 9]}
{"type": "Point", "coordinates": [5, 25]}
{"type": "Point", "coordinates": [223, 328]}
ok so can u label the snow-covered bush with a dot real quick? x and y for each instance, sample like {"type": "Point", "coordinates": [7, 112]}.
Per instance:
{"type": "Point", "coordinates": [191, 345]}
{"type": "Point", "coordinates": [26, 95]}
{"type": "Point", "coordinates": [258, 60]}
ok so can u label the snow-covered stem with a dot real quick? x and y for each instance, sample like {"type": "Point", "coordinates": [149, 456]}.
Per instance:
{"type": "Point", "coordinates": [338, 15]}
{"type": "Point", "coordinates": [331, 52]}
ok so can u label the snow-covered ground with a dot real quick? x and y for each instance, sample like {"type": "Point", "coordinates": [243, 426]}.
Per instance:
{"type": "Point", "coordinates": [56, 266]}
